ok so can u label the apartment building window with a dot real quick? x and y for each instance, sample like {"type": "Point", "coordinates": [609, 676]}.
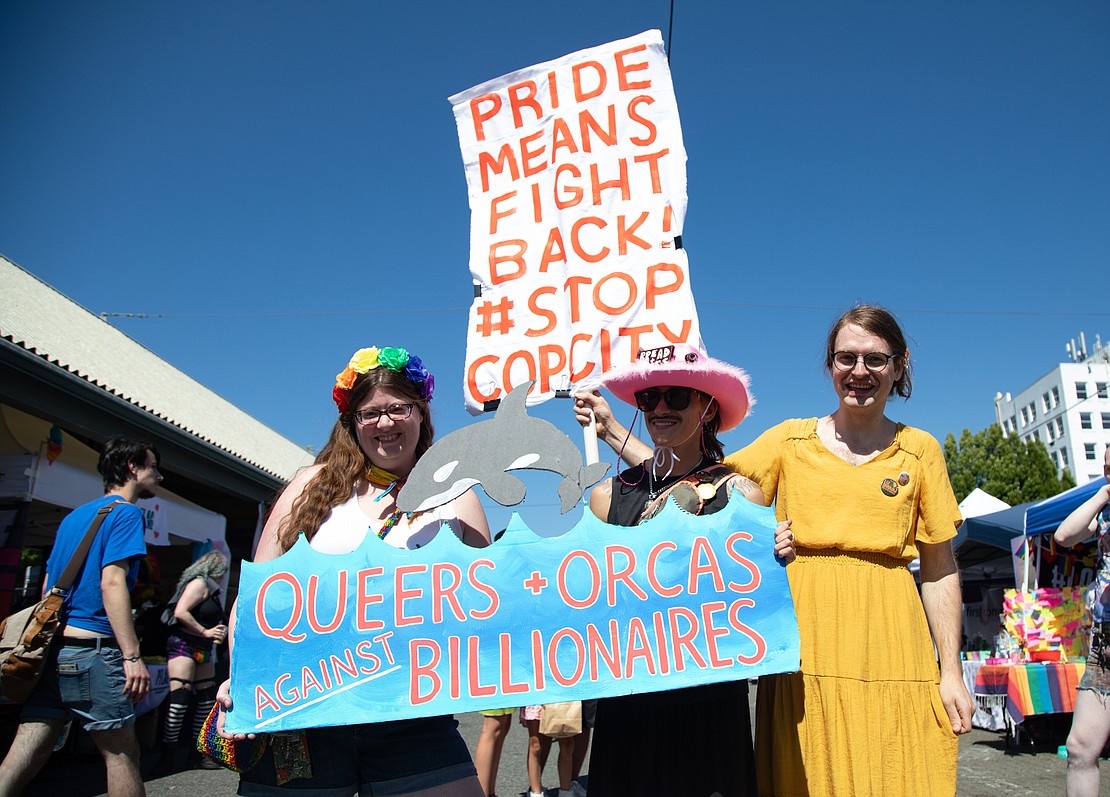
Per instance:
{"type": "Point", "coordinates": [1013, 423]}
{"type": "Point", "coordinates": [1081, 390]}
{"type": "Point", "coordinates": [1101, 388]}
{"type": "Point", "coordinates": [1064, 457]}
{"type": "Point", "coordinates": [1024, 417]}
{"type": "Point", "coordinates": [1055, 397]}
{"type": "Point", "coordinates": [1059, 426]}
{"type": "Point", "coordinates": [1089, 450]}
{"type": "Point", "coordinates": [1051, 429]}
{"type": "Point", "coordinates": [1085, 420]}
{"type": "Point", "coordinates": [1106, 420]}
{"type": "Point", "coordinates": [1045, 403]}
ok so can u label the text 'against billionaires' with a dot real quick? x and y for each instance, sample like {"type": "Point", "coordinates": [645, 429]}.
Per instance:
{"type": "Point", "coordinates": [664, 637]}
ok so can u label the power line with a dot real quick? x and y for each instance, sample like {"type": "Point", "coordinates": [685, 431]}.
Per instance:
{"type": "Point", "coordinates": [292, 314]}
{"type": "Point", "coordinates": [907, 310]}
{"type": "Point", "coordinates": [751, 305]}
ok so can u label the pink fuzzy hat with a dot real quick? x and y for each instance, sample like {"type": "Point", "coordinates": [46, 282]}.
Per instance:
{"type": "Point", "coordinates": [685, 366]}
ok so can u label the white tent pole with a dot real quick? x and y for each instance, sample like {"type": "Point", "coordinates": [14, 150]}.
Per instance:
{"type": "Point", "coordinates": [36, 463]}
{"type": "Point", "coordinates": [1037, 567]}
{"type": "Point", "coordinates": [589, 440]}
{"type": "Point", "coordinates": [1025, 565]}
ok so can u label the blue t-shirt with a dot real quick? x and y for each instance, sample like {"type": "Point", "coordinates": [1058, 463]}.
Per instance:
{"type": "Point", "coordinates": [119, 537]}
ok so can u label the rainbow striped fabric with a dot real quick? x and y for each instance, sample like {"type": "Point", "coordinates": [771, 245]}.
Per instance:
{"type": "Point", "coordinates": [1037, 688]}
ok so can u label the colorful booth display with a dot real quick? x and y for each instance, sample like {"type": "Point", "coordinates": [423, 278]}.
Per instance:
{"type": "Point", "coordinates": [1047, 623]}
{"type": "Point", "coordinates": [1041, 648]}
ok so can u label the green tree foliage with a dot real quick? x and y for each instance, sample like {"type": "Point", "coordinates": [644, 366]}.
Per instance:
{"type": "Point", "coordinates": [1006, 467]}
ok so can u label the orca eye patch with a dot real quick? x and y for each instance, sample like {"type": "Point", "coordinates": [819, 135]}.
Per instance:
{"type": "Point", "coordinates": [443, 473]}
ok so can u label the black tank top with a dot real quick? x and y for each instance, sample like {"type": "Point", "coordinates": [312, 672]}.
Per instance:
{"type": "Point", "coordinates": [209, 612]}
{"type": "Point", "coordinates": [631, 494]}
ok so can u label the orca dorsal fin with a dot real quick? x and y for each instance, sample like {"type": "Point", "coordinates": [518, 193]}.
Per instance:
{"type": "Point", "coordinates": [516, 402]}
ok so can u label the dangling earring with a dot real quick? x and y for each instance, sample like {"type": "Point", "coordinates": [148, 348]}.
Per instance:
{"type": "Point", "coordinates": [701, 425]}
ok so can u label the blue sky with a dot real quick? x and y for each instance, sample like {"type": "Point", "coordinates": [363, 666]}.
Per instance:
{"type": "Point", "coordinates": [281, 182]}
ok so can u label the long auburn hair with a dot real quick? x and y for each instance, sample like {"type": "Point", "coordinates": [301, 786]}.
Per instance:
{"type": "Point", "coordinates": [344, 462]}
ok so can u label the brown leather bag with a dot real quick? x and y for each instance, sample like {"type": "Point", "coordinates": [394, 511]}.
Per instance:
{"type": "Point", "coordinates": [26, 636]}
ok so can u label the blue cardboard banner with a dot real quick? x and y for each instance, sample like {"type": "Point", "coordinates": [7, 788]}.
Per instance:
{"type": "Point", "coordinates": [385, 634]}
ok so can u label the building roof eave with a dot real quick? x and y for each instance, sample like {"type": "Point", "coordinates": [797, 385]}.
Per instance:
{"type": "Point", "coordinates": [35, 385]}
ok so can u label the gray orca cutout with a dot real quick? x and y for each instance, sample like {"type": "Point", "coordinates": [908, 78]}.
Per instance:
{"type": "Point", "coordinates": [484, 452]}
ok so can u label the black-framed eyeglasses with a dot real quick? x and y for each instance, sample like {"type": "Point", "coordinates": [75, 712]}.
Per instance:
{"type": "Point", "coordinates": [677, 398]}
{"type": "Point", "coordinates": [873, 361]}
{"type": "Point", "coordinates": [396, 412]}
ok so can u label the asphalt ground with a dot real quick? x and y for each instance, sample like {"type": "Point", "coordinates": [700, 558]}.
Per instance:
{"type": "Point", "coordinates": [988, 767]}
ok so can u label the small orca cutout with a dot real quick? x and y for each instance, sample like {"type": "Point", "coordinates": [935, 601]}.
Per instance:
{"type": "Point", "coordinates": [484, 452]}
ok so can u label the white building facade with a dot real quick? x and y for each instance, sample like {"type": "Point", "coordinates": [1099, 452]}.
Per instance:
{"type": "Point", "coordinates": [1067, 409]}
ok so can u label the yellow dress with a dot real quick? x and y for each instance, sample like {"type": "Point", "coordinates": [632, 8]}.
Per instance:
{"type": "Point", "coordinates": [864, 714]}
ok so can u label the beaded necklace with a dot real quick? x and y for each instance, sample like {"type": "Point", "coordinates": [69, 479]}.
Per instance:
{"type": "Point", "coordinates": [383, 478]}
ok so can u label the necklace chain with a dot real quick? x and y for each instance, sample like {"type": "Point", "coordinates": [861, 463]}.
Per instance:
{"type": "Point", "coordinates": [653, 493]}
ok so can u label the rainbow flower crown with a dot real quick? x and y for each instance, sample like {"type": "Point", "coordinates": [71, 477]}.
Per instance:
{"type": "Point", "coordinates": [365, 360]}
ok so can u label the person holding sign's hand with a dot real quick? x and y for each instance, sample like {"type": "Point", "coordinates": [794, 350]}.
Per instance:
{"type": "Point", "coordinates": [384, 427]}
{"type": "Point", "coordinates": [696, 740]}
{"type": "Point", "coordinates": [869, 713]}
{"type": "Point", "coordinates": [1090, 725]}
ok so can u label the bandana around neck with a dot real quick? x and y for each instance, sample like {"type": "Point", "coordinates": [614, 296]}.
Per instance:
{"type": "Point", "coordinates": [380, 477]}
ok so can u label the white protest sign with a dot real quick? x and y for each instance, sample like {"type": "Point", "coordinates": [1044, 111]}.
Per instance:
{"type": "Point", "coordinates": [577, 181]}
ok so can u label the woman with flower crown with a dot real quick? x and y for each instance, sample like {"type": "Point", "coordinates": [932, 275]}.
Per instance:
{"type": "Point", "coordinates": [384, 427]}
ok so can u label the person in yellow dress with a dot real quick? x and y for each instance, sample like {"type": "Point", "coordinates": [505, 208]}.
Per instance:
{"type": "Point", "coordinates": [869, 712]}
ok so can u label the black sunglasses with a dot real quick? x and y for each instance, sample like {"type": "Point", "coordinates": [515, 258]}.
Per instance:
{"type": "Point", "coordinates": [677, 398]}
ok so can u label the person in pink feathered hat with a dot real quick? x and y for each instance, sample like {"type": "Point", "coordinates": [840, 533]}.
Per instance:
{"type": "Point", "coordinates": [686, 398]}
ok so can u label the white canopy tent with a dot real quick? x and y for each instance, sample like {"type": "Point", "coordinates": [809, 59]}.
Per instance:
{"type": "Point", "coordinates": [978, 502]}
